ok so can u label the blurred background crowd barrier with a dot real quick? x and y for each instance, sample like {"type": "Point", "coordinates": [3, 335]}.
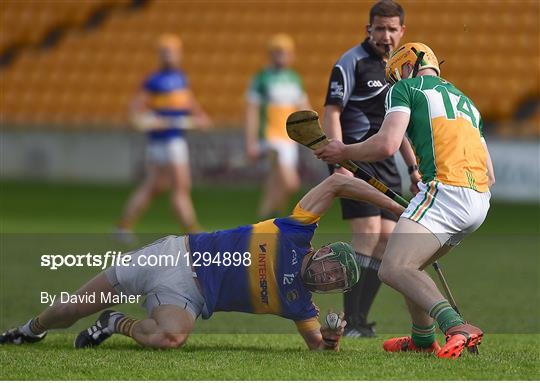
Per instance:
{"type": "Point", "coordinates": [68, 70]}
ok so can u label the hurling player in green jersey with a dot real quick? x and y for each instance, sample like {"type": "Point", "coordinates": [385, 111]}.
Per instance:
{"type": "Point", "coordinates": [445, 130]}
{"type": "Point", "coordinates": [275, 92]}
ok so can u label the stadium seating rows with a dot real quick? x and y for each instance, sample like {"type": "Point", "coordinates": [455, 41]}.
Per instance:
{"type": "Point", "coordinates": [488, 47]}
{"type": "Point", "coordinates": [27, 22]}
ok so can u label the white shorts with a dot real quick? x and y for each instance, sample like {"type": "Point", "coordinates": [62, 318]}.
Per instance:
{"type": "Point", "coordinates": [165, 284]}
{"type": "Point", "coordinates": [449, 212]}
{"type": "Point", "coordinates": [170, 151]}
{"type": "Point", "coordinates": [286, 151]}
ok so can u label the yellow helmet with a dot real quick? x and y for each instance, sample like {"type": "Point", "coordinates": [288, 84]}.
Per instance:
{"type": "Point", "coordinates": [169, 40]}
{"type": "Point", "coordinates": [417, 54]}
{"type": "Point", "coordinates": [281, 41]}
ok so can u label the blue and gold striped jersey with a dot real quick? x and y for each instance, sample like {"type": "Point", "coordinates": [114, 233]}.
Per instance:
{"type": "Point", "coordinates": [271, 284]}
{"type": "Point", "coordinates": [169, 97]}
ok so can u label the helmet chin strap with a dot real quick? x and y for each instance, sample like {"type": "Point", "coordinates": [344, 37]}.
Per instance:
{"type": "Point", "coordinates": [417, 64]}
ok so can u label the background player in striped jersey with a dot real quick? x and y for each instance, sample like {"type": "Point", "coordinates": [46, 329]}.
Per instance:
{"type": "Point", "coordinates": [274, 93]}
{"type": "Point", "coordinates": [354, 111]}
{"type": "Point", "coordinates": [282, 272]}
{"type": "Point", "coordinates": [163, 108]}
{"type": "Point", "coordinates": [445, 130]}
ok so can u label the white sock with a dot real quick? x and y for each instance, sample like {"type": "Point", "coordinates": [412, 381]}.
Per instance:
{"type": "Point", "coordinates": [25, 329]}
{"type": "Point", "coordinates": [115, 316]}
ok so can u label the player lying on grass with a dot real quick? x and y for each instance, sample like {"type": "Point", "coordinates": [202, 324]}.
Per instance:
{"type": "Point", "coordinates": [281, 273]}
{"type": "Point", "coordinates": [445, 129]}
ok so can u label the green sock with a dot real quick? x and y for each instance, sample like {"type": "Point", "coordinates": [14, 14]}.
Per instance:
{"type": "Point", "coordinates": [445, 315]}
{"type": "Point", "coordinates": [423, 336]}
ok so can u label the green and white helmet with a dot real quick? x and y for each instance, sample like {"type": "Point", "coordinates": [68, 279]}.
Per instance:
{"type": "Point", "coordinates": [331, 269]}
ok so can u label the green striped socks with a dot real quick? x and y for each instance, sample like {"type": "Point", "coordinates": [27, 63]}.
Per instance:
{"type": "Point", "coordinates": [423, 336]}
{"type": "Point", "coordinates": [445, 315]}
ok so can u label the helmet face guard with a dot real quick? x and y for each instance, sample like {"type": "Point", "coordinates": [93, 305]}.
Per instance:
{"type": "Point", "coordinates": [331, 269]}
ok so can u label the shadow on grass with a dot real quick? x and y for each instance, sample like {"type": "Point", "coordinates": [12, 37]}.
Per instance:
{"type": "Point", "coordinates": [132, 346]}
{"type": "Point", "coordinates": [240, 348]}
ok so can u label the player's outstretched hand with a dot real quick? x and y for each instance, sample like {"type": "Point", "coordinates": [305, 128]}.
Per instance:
{"type": "Point", "coordinates": [333, 153]}
{"type": "Point", "coordinates": [332, 330]}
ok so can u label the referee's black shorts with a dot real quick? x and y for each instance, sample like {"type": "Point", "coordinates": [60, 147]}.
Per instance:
{"type": "Point", "coordinates": [386, 172]}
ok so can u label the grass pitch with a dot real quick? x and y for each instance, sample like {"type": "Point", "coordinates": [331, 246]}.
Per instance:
{"type": "Point", "coordinates": [264, 357]}
{"type": "Point", "coordinates": [494, 276]}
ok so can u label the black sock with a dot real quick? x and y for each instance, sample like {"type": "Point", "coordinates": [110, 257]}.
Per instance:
{"type": "Point", "coordinates": [350, 304]}
{"type": "Point", "coordinates": [351, 298]}
{"type": "Point", "coordinates": [368, 285]}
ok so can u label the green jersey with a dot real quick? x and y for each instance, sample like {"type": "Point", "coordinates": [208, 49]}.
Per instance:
{"type": "Point", "coordinates": [445, 131]}
{"type": "Point", "coordinates": [278, 92]}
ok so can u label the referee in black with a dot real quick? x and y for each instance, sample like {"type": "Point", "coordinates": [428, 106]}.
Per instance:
{"type": "Point", "coordinates": [354, 111]}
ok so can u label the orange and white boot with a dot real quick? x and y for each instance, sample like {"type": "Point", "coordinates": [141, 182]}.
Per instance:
{"type": "Point", "coordinates": [405, 343]}
{"type": "Point", "coordinates": [460, 337]}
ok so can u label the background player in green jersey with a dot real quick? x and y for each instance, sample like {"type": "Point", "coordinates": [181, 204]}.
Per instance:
{"type": "Point", "coordinates": [445, 130]}
{"type": "Point", "coordinates": [274, 93]}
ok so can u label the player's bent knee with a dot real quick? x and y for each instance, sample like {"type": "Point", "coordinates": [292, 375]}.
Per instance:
{"type": "Point", "coordinates": [371, 226]}
{"type": "Point", "coordinates": [382, 274]}
{"type": "Point", "coordinates": [173, 340]}
{"type": "Point", "coordinates": [383, 238]}
{"type": "Point", "coordinates": [179, 340]}
{"type": "Point", "coordinates": [386, 273]}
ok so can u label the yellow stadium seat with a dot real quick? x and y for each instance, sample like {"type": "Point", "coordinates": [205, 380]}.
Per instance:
{"type": "Point", "coordinates": [93, 74]}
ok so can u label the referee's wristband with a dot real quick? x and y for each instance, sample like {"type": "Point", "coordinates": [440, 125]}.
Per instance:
{"type": "Point", "coordinates": [411, 169]}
